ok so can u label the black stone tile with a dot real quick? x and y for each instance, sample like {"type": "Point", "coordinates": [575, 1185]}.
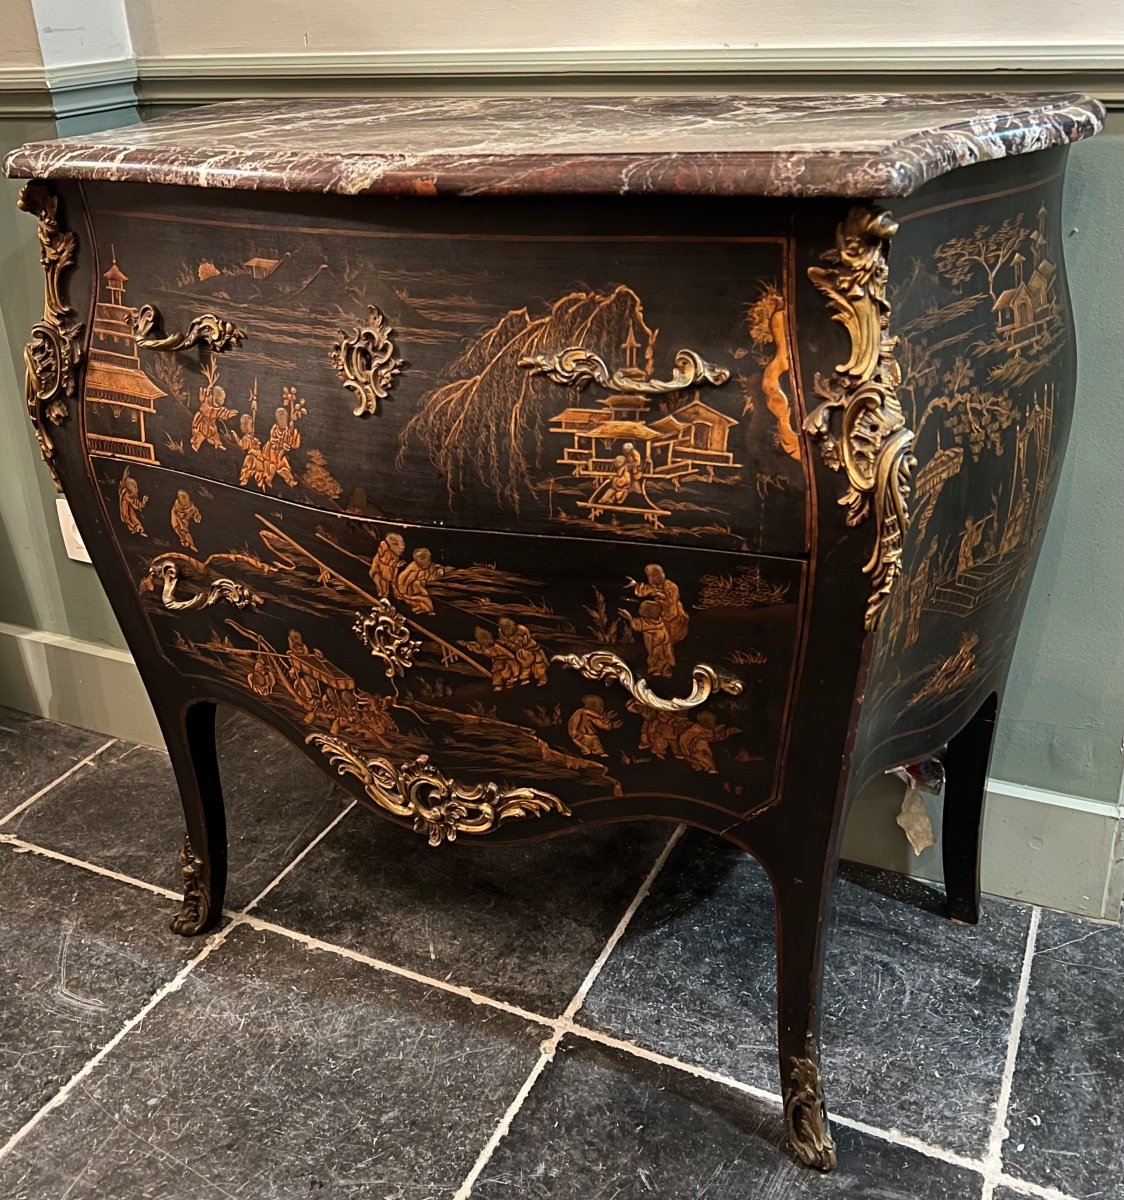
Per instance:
{"type": "Point", "coordinates": [603, 1124]}
{"type": "Point", "coordinates": [122, 811]}
{"type": "Point", "coordinates": [518, 923]}
{"type": "Point", "coordinates": [278, 1072]}
{"type": "Point", "coordinates": [1066, 1118]}
{"type": "Point", "coordinates": [917, 1009]}
{"type": "Point", "coordinates": [33, 752]}
{"type": "Point", "coordinates": [79, 956]}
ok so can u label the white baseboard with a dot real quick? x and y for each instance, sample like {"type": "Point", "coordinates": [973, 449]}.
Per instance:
{"type": "Point", "coordinates": [79, 683]}
{"type": "Point", "coordinates": [1041, 847]}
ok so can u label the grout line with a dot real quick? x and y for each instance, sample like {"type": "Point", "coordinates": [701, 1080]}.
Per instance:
{"type": "Point", "coordinates": [1026, 1188]}
{"type": "Point", "coordinates": [299, 858]}
{"type": "Point", "coordinates": [55, 782]}
{"type": "Point", "coordinates": [167, 989]}
{"type": "Point", "coordinates": [560, 1026]}
{"type": "Point", "coordinates": [173, 985]}
{"type": "Point", "coordinates": [550, 1046]}
{"type": "Point", "coordinates": [315, 943]}
{"type": "Point", "coordinates": [21, 846]}
{"type": "Point", "coordinates": [993, 1159]}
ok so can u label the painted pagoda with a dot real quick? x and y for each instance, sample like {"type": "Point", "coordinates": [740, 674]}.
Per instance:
{"type": "Point", "coordinates": [119, 394]}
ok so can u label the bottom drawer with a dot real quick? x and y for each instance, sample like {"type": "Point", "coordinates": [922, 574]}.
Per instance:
{"type": "Point", "coordinates": [516, 675]}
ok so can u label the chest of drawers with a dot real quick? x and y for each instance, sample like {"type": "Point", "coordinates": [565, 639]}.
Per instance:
{"type": "Point", "coordinates": [533, 464]}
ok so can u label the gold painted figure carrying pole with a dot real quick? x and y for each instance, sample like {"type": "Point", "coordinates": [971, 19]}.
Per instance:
{"type": "Point", "coordinates": [372, 600]}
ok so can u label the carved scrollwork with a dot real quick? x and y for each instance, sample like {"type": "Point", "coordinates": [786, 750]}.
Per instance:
{"type": "Point", "coordinates": [872, 443]}
{"type": "Point", "coordinates": [385, 633]}
{"type": "Point", "coordinates": [440, 807]}
{"type": "Point", "coordinates": [805, 1114]}
{"type": "Point", "coordinates": [365, 362]}
{"type": "Point", "coordinates": [206, 330]}
{"type": "Point", "coordinates": [705, 680]}
{"type": "Point", "coordinates": [54, 347]}
{"type": "Point", "coordinates": [194, 913]}
{"type": "Point", "coordinates": [576, 366]}
{"type": "Point", "coordinates": [228, 591]}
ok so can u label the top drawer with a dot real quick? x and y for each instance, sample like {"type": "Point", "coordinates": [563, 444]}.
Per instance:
{"type": "Point", "coordinates": [677, 421]}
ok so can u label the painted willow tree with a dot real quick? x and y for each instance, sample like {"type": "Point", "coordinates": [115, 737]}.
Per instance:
{"type": "Point", "coordinates": [484, 425]}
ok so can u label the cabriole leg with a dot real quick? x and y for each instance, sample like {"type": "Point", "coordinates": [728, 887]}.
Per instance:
{"type": "Point", "coordinates": [966, 762]}
{"type": "Point", "coordinates": [802, 909]}
{"type": "Point", "coordinates": [190, 736]}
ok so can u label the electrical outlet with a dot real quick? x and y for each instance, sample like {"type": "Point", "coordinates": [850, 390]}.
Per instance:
{"type": "Point", "coordinates": [72, 539]}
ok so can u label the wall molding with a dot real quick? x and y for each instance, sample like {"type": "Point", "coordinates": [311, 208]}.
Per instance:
{"type": "Point", "coordinates": [1098, 69]}
{"type": "Point", "coordinates": [156, 82]}
{"type": "Point", "coordinates": [1041, 847]}
{"type": "Point", "coordinates": [77, 682]}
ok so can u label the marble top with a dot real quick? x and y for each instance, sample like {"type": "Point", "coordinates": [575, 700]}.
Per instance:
{"type": "Point", "coordinates": [859, 145]}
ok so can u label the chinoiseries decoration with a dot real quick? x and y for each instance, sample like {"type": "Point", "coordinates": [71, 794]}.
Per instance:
{"type": "Point", "coordinates": [365, 362]}
{"type": "Point", "coordinates": [54, 348]}
{"type": "Point", "coordinates": [705, 679]}
{"type": "Point", "coordinates": [206, 330]}
{"type": "Point", "coordinates": [441, 807]}
{"type": "Point", "coordinates": [872, 444]}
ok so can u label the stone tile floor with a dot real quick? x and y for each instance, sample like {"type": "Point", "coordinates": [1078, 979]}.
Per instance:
{"type": "Point", "coordinates": [586, 1018]}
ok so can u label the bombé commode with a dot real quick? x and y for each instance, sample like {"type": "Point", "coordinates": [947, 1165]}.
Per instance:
{"type": "Point", "coordinates": [538, 463]}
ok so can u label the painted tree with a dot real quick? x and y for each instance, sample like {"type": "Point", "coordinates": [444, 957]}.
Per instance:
{"type": "Point", "coordinates": [991, 250]}
{"type": "Point", "coordinates": [485, 424]}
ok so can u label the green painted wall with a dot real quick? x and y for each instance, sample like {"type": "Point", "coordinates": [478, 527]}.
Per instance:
{"type": "Point", "coordinates": [1063, 722]}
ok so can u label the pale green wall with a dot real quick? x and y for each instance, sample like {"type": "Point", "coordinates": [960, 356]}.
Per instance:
{"type": "Point", "coordinates": [1063, 717]}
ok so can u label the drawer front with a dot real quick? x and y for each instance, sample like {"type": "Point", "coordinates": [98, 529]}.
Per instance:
{"type": "Point", "coordinates": [448, 327]}
{"type": "Point", "coordinates": [521, 661]}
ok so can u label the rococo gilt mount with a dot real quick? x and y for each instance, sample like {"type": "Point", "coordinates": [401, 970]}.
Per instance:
{"type": "Point", "coordinates": [671, 458]}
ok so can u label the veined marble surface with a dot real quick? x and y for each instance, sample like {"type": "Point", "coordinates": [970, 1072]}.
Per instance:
{"type": "Point", "coordinates": [861, 145]}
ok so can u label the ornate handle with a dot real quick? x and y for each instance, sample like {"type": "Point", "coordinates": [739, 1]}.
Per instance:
{"type": "Point", "coordinates": [440, 806]}
{"type": "Point", "coordinates": [385, 633]}
{"type": "Point", "coordinates": [205, 330]}
{"type": "Point", "coordinates": [228, 590]}
{"type": "Point", "coordinates": [365, 362]}
{"type": "Point", "coordinates": [577, 366]}
{"type": "Point", "coordinates": [706, 680]}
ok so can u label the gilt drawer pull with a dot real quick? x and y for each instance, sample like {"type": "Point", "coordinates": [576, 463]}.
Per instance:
{"type": "Point", "coordinates": [577, 366]}
{"type": "Point", "coordinates": [218, 591]}
{"type": "Point", "coordinates": [440, 806]}
{"type": "Point", "coordinates": [207, 330]}
{"type": "Point", "coordinates": [600, 664]}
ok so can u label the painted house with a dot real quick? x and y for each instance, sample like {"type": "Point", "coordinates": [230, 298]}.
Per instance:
{"type": "Point", "coordinates": [1024, 312]}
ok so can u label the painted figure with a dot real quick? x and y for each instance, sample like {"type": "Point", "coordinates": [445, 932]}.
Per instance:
{"type": "Point", "coordinates": [411, 584]}
{"type": "Point", "coordinates": [386, 564]}
{"type": "Point", "coordinates": [184, 515]}
{"type": "Point", "coordinates": [284, 437]}
{"type": "Point", "coordinates": [505, 666]}
{"type": "Point", "coordinates": [129, 503]}
{"type": "Point", "coordinates": [969, 540]}
{"type": "Point", "coordinates": [658, 587]}
{"type": "Point", "coordinates": [322, 689]}
{"type": "Point", "coordinates": [262, 678]}
{"type": "Point", "coordinates": [620, 482]}
{"type": "Point", "coordinates": [585, 722]}
{"type": "Point", "coordinates": [634, 462]}
{"type": "Point", "coordinates": [652, 628]}
{"type": "Point", "coordinates": [694, 745]}
{"type": "Point", "coordinates": [533, 663]}
{"type": "Point", "coordinates": [253, 461]}
{"type": "Point", "coordinates": [212, 409]}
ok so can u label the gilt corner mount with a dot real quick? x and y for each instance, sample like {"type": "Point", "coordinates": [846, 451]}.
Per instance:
{"type": "Point", "coordinates": [54, 347]}
{"type": "Point", "coordinates": [872, 443]}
